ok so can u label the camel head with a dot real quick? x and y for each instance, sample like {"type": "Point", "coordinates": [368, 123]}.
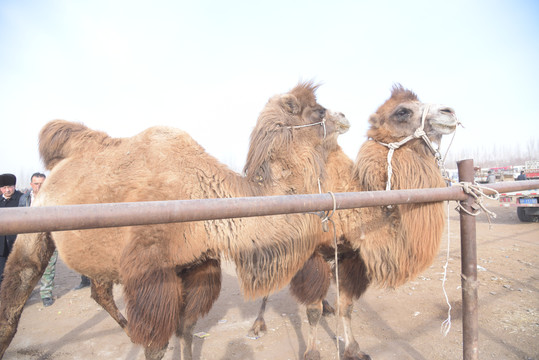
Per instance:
{"type": "Point", "coordinates": [292, 130]}
{"type": "Point", "coordinates": [401, 115]}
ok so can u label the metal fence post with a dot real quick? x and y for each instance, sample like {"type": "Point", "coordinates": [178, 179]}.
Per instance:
{"type": "Point", "coordinates": [469, 268]}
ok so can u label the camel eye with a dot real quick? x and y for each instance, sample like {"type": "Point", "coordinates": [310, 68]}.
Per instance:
{"type": "Point", "coordinates": [322, 112]}
{"type": "Point", "coordinates": [402, 114]}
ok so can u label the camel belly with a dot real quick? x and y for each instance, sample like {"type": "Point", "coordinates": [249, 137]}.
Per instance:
{"type": "Point", "coordinates": [95, 253]}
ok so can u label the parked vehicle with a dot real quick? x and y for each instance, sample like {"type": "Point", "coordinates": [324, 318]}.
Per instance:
{"type": "Point", "coordinates": [531, 169]}
{"type": "Point", "coordinates": [526, 202]}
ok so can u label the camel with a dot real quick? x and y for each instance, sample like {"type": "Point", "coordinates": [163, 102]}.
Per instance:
{"type": "Point", "coordinates": [171, 272]}
{"type": "Point", "coordinates": [386, 246]}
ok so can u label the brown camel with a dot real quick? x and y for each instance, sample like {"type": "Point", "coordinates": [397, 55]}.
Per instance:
{"type": "Point", "coordinates": [171, 273]}
{"type": "Point", "coordinates": [381, 245]}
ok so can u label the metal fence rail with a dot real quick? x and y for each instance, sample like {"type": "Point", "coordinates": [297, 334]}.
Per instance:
{"type": "Point", "coordinates": [90, 216]}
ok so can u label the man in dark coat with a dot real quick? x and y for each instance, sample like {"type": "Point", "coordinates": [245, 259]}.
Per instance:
{"type": "Point", "coordinates": [522, 176]}
{"type": "Point", "coordinates": [10, 198]}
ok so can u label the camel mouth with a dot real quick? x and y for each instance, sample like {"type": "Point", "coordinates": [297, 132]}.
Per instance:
{"type": "Point", "coordinates": [343, 126]}
{"type": "Point", "coordinates": [444, 129]}
{"type": "Point", "coordinates": [341, 122]}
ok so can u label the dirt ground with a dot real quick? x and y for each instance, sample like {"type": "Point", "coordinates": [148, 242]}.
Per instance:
{"type": "Point", "coordinates": [389, 324]}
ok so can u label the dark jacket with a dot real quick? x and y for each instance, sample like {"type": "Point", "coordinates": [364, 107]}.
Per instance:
{"type": "Point", "coordinates": [6, 241]}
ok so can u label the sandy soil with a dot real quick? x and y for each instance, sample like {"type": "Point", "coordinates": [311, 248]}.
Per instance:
{"type": "Point", "coordinates": [389, 324]}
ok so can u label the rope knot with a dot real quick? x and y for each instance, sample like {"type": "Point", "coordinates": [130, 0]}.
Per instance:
{"type": "Point", "coordinates": [328, 214]}
{"type": "Point", "coordinates": [419, 132]}
{"type": "Point", "coordinates": [478, 193]}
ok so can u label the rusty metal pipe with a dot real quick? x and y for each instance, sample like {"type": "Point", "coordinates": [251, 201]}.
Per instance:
{"type": "Point", "coordinates": [91, 216]}
{"type": "Point", "coordinates": [468, 250]}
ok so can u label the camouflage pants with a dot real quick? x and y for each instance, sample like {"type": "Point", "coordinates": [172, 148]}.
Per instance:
{"type": "Point", "coordinates": [47, 280]}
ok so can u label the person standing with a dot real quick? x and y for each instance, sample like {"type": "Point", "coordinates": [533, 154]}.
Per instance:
{"type": "Point", "coordinates": [522, 176]}
{"type": "Point", "coordinates": [47, 280]}
{"type": "Point", "coordinates": [36, 182]}
{"type": "Point", "coordinates": [10, 198]}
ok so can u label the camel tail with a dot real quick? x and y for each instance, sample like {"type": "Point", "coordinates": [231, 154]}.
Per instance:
{"type": "Point", "coordinates": [60, 139]}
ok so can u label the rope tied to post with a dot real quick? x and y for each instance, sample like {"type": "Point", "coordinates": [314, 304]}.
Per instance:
{"type": "Point", "coordinates": [478, 193]}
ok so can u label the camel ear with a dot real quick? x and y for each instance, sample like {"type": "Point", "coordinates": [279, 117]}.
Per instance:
{"type": "Point", "coordinates": [375, 120]}
{"type": "Point", "coordinates": [290, 104]}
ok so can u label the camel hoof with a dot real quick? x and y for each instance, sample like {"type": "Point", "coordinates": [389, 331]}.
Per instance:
{"type": "Point", "coordinates": [352, 352]}
{"type": "Point", "coordinates": [357, 356]}
{"type": "Point", "coordinates": [327, 309]}
{"type": "Point", "coordinates": [259, 328]}
{"type": "Point", "coordinates": [361, 356]}
{"type": "Point", "coordinates": [155, 354]}
{"type": "Point", "coordinates": [312, 355]}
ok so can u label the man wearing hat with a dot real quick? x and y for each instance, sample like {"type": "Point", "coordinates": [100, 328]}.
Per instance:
{"type": "Point", "coordinates": [10, 198]}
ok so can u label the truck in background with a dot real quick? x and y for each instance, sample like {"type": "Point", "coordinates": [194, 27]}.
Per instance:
{"type": "Point", "coordinates": [526, 202]}
{"type": "Point", "coordinates": [531, 169]}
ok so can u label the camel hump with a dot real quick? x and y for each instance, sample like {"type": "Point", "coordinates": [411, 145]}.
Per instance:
{"type": "Point", "coordinates": [60, 139]}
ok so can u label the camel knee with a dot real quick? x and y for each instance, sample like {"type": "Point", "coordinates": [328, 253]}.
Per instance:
{"type": "Point", "coordinates": [314, 313]}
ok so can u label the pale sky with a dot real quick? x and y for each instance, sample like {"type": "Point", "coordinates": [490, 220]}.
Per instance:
{"type": "Point", "coordinates": [208, 67]}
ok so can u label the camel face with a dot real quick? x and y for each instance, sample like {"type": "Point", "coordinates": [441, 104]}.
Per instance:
{"type": "Point", "coordinates": [441, 120]}
{"type": "Point", "coordinates": [402, 114]}
{"type": "Point", "coordinates": [338, 120]}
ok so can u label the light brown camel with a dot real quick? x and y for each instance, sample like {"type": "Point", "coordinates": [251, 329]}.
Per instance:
{"type": "Point", "coordinates": [171, 273]}
{"type": "Point", "coordinates": [386, 246]}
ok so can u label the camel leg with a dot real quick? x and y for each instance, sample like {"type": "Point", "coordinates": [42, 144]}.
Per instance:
{"type": "Point", "coordinates": [185, 333]}
{"type": "Point", "coordinates": [309, 286]}
{"type": "Point", "coordinates": [351, 346]}
{"type": "Point", "coordinates": [24, 267]}
{"type": "Point", "coordinates": [314, 313]}
{"type": "Point", "coordinates": [353, 282]}
{"type": "Point", "coordinates": [201, 288]}
{"type": "Point", "coordinates": [259, 326]}
{"type": "Point", "coordinates": [102, 294]}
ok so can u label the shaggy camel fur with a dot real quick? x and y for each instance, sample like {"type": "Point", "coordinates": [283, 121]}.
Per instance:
{"type": "Point", "coordinates": [171, 273]}
{"type": "Point", "coordinates": [383, 245]}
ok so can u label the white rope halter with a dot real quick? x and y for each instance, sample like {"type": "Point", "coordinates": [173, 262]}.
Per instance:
{"type": "Point", "coordinates": [418, 133]}
{"type": "Point", "coordinates": [321, 123]}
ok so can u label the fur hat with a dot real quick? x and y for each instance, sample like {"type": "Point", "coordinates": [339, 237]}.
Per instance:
{"type": "Point", "coordinates": [7, 180]}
